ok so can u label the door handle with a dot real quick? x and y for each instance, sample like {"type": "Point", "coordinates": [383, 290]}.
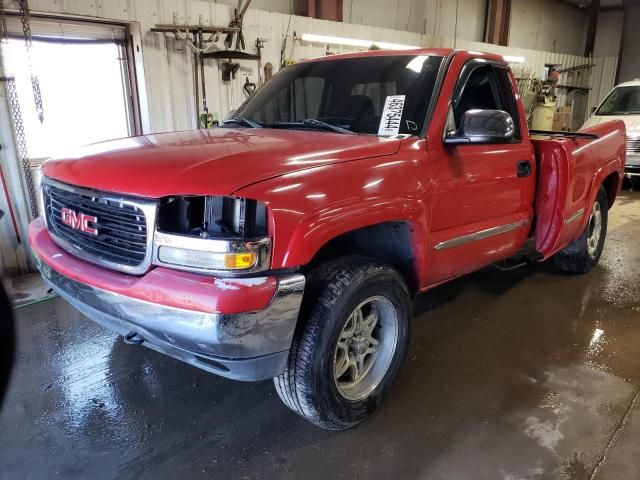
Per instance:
{"type": "Point", "coordinates": [523, 168]}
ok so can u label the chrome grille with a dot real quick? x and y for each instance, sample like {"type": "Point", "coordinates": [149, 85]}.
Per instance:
{"type": "Point", "coordinates": [633, 150]}
{"type": "Point", "coordinates": [124, 226]}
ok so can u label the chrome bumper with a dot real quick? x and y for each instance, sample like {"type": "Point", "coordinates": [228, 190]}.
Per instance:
{"type": "Point", "coordinates": [631, 171]}
{"type": "Point", "coordinates": [245, 346]}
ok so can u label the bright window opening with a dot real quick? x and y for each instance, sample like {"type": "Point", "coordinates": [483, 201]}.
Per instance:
{"type": "Point", "coordinates": [84, 94]}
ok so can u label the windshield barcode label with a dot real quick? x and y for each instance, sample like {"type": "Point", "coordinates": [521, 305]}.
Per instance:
{"type": "Point", "coordinates": [391, 115]}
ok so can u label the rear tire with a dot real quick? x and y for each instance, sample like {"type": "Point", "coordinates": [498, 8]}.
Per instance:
{"type": "Point", "coordinates": [581, 255]}
{"type": "Point", "coordinates": [351, 345]}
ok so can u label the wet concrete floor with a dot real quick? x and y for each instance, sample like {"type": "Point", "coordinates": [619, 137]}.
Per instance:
{"type": "Point", "coordinates": [517, 375]}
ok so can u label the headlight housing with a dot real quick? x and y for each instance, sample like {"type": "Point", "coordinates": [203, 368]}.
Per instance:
{"type": "Point", "coordinates": [217, 235]}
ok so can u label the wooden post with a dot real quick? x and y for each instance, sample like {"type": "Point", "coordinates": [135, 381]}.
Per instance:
{"type": "Point", "coordinates": [594, 10]}
{"type": "Point", "coordinates": [498, 22]}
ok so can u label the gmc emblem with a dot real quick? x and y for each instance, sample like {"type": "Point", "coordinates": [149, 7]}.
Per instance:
{"type": "Point", "coordinates": [78, 221]}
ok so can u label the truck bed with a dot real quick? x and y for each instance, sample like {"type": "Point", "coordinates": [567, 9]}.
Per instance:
{"type": "Point", "coordinates": [566, 182]}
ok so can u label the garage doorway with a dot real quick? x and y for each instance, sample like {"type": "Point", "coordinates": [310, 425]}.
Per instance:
{"type": "Point", "coordinates": [85, 80]}
{"type": "Point", "coordinates": [86, 76]}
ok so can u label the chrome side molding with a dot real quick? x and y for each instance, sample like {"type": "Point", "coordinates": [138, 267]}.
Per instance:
{"type": "Point", "coordinates": [574, 217]}
{"type": "Point", "coordinates": [479, 235]}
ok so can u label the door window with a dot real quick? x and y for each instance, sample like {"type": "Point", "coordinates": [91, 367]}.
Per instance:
{"type": "Point", "coordinates": [480, 93]}
{"type": "Point", "coordinates": [487, 88]}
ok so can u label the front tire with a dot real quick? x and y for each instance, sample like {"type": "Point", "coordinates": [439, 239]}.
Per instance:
{"type": "Point", "coordinates": [581, 255]}
{"type": "Point", "coordinates": [351, 345]}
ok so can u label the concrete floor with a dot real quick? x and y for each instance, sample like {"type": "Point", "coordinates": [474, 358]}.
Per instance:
{"type": "Point", "coordinates": [520, 375]}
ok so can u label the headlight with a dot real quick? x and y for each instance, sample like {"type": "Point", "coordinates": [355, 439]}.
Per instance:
{"type": "Point", "coordinates": [212, 234]}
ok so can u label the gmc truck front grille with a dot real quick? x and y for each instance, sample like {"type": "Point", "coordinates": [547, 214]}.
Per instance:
{"type": "Point", "coordinates": [102, 228]}
{"type": "Point", "coordinates": [633, 150]}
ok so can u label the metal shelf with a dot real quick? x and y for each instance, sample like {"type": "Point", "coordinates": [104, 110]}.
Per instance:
{"type": "Point", "coordinates": [573, 87]}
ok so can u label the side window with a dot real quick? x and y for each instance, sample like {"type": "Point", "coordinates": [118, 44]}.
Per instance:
{"type": "Point", "coordinates": [480, 92]}
{"type": "Point", "coordinates": [508, 96]}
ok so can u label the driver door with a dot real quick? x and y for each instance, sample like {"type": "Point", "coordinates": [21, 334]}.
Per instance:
{"type": "Point", "coordinates": [483, 194]}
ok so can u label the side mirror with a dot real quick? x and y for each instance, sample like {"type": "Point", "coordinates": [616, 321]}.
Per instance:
{"type": "Point", "coordinates": [483, 126]}
{"type": "Point", "coordinates": [593, 110]}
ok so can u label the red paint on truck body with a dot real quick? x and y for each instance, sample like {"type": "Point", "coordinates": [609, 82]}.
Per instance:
{"type": "Point", "coordinates": [319, 185]}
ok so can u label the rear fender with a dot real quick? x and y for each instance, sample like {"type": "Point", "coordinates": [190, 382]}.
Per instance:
{"type": "Point", "coordinates": [570, 175]}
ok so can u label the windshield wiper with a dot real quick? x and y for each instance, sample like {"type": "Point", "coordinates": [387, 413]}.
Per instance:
{"type": "Point", "coordinates": [314, 122]}
{"type": "Point", "coordinates": [243, 121]}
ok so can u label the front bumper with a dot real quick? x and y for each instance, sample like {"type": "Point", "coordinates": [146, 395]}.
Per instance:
{"type": "Point", "coordinates": [251, 345]}
{"type": "Point", "coordinates": [632, 171]}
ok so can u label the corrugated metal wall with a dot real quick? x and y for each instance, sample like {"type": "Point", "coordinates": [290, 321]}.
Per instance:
{"type": "Point", "coordinates": [630, 61]}
{"type": "Point", "coordinates": [168, 64]}
{"type": "Point", "coordinates": [13, 257]}
{"type": "Point", "coordinates": [547, 25]}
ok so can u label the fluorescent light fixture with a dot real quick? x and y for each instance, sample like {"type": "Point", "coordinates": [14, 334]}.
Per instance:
{"type": "Point", "coordinates": [354, 42]}
{"type": "Point", "coordinates": [513, 59]}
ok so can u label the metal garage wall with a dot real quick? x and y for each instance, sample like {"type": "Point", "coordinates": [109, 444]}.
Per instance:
{"type": "Point", "coordinates": [13, 256]}
{"type": "Point", "coordinates": [430, 17]}
{"type": "Point", "coordinates": [547, 25]}
{"type": "Point", "coordinates": [168, 64]}
{"type": "Point", "coordinates": [630, 60]}
{"type": "Point", "coordinates": [604, 78]}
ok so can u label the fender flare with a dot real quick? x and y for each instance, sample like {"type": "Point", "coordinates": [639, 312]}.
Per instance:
{"type": "Point", "coordinates": [597, 181]}
{"type": "Point", "coordinates": [317, 230]}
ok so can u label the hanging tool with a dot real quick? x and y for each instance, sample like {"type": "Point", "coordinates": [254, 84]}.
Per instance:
{"type": "Point", "coordinates": [249, 87]}
{"type": "Point", "coordinates": [25, 19]}
{"type": "Point", "coordinates": [236, 22]}
{"type": "Point", "coordinates": [260, 45]}
{"type": "Point", "coordinates": [268, 71]}
{"type": "Point", "coordinates": [229, 70]}
{"type": "Point", "coordinates": [201, 60]}
{"type": "Point", "coordinates": [193, 37]}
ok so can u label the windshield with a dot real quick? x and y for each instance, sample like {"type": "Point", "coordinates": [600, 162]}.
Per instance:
{"type": "Point", "coordinates": [384, 95]}
{"type": "Point", "coordinates": [621, 101]}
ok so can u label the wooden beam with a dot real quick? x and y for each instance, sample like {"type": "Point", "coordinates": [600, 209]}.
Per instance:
{"type": "Point", "coordinates": [322, 9]}
{"type": "Point", "coordinates": [594, 10]}
{"type": "Point", "coordinates": [498, 22]}
{"type": "Point", "coordinates": [329, 10]}
{"type": "Point", "coordinates": [306, 8]}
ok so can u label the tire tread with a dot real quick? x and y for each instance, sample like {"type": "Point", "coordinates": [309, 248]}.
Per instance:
{"type": "Point", "coordinates": [325, 286]}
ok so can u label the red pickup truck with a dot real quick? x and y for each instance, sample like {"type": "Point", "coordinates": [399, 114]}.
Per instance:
{"type": "Point", "coordinates": [288, 242]}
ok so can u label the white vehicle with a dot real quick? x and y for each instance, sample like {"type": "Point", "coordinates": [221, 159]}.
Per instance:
{"type": "Point", "coordinates": [623, 103]}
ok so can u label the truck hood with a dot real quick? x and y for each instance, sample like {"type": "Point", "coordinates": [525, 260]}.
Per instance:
{"type": "Point", "coordinates": [214, 162]}
{"type": "Point", "coordinates": [631, 122]}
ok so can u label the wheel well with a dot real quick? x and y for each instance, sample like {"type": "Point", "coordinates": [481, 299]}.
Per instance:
{"type": "Point", "coordinates": [389, 242]}
{"type": "Point", "coordinates": [611, 184]}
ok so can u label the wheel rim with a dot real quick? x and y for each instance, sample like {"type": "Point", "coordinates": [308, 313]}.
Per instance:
{"type": "Point", "coordinates": [365, 348]}
{"type": "Point", "coordinates": [595, 230]}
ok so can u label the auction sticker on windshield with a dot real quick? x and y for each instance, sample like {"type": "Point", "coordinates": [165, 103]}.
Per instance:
{"type": "Point", "coordinates": [391, 115]}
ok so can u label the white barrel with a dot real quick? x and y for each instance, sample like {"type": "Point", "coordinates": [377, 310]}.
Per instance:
{"type": "Point", "coordinates": [542, 118]}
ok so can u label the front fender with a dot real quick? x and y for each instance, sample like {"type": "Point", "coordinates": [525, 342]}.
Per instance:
{"type": "Point", "coordinates": [309, 208]}
{"type": "Point", "coordinates": [315, 231]}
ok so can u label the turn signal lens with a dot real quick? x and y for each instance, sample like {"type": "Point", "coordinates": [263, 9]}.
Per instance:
{"type": "Point", "coordinates": [206, 260]}
{"type": "Point", "coordinates": [239, 260]}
